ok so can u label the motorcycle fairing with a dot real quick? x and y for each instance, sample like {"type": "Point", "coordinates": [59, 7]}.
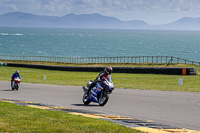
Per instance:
{"type": "Point", "coordinates": [94, 93]}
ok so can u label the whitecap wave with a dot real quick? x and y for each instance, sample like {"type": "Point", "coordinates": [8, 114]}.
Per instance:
{"type": "Point", "coordinates": [4, 34]}
{"type": "Point", "coordinates": [81, 35]}
{"type": "Point", "coordinates": [17, 34]}
{"type": "Point", "coordinates": [39, 52]}
{"type": "Point", "coordinates": [7, 34]}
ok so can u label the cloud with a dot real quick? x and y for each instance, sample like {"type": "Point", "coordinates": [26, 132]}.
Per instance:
{"type": "Point", "coordinates": [100, 5]}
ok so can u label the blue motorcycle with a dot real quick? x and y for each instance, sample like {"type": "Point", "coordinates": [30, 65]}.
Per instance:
{"type": "Point", "coordinates": [99, 93]}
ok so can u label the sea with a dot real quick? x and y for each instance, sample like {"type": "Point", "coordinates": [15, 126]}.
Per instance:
{"type": "Point", "coordinates": [62, 42]}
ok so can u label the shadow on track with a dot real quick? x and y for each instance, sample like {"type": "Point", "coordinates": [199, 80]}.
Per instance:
{"type": "Point", "coordinates": [7, 90]}
{"type": "Point", "coordinates": [85, 105]}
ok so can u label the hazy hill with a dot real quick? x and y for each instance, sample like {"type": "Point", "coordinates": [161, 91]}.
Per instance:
{"type": "Point", "coordinates": [186, 23]}
{"type": "Point", "coordinates": [88, 21]}
{"type": "Point", "coordinates": [20, 19]}
{"type": "Point", "coordinates": [25, 20]}
{"type": "Point", "coordinates": [69, 21]}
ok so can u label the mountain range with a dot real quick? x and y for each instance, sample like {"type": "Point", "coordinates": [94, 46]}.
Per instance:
{"type": "Point", "coordinates": [20, 19]}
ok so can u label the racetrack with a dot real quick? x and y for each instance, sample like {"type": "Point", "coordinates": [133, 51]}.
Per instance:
{"type": "Point", "coordinates": [181, 109]}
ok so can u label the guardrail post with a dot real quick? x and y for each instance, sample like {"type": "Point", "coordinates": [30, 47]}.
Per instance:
{"type": "Point", "coordinates": [139, 59]}
{"type": "Point", "coordinates": [156, 59]}
{"type": "Point", "coordinates": [171, 59]}
{"type": "Point", "coordinates": [136, 59]}
{"type": "Point", "coordinates": [166, 59]}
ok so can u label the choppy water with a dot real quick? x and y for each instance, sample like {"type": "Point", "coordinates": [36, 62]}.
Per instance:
{"type": "Point", "coordinates": [98, 43]}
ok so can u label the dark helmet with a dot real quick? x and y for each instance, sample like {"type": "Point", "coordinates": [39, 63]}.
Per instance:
{"type": "Point", "coordinates": [108, 70]}
{"type": "Point", "coordinates": [17, 72]}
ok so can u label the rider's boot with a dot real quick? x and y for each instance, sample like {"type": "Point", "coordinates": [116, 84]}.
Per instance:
{"type": "Point", "coordinates": [90, 87]}
{"type": "Point", "coordinates": [11, 82]}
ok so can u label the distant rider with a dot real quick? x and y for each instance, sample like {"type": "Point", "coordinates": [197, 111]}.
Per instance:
{"type": "Point", "coordinates": [103, 74]}
{"type": "Point", "coordinates": [15, 75]}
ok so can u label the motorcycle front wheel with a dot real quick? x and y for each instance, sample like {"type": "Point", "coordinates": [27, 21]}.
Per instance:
{"type": "Point", "coordinates": [85, 99]}
{"type": "Point", "coordinates": [104, 99]}
{"type": "Point", "coordinates": [17, 87]}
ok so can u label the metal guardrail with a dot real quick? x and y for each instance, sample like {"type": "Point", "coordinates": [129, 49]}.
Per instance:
{"type": "Point", "coordinates": [139, 70]}
{"type": "Point", "coordinates": [124, 59]}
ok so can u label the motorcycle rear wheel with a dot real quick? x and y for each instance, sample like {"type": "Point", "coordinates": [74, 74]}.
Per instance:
{"type": "Point", "coordinates": [103, 100]}
{"type": "Point", "coordinates": [17, 87]}
{"type": "Point", "coordinates": [85, 99]}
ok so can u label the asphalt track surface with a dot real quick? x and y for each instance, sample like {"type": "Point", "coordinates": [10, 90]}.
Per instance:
{"type": "Point", "coordinates": [181, 109]}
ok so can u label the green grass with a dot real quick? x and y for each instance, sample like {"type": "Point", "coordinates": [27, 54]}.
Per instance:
{"type": "Point", "coordinates": [17, 118]}
{"type": "Point", "coordinates": [121, 80]}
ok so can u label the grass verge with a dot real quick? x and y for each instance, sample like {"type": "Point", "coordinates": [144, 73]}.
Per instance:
{"type": "Point", "coordinates": [17, 118]}
{"type": "Point", "coordinates": [121, 80]}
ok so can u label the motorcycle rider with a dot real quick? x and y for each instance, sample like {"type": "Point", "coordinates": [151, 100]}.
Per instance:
{"type": "Point", "coordinates": [103, 74]}
{"type": "Point", "coordinates": [15, 75]}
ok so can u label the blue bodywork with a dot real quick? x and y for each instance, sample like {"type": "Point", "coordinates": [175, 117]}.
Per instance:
{"type": "Point", "coordinates": [99, 90]}
{"type": "Point", "coordinates": [95, 92]}
{"type": "Point", "coordinates": [99, 93]}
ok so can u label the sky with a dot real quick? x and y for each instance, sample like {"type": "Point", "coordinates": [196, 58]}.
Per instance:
{"type": "Point", "coordinates": [152, 12]}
